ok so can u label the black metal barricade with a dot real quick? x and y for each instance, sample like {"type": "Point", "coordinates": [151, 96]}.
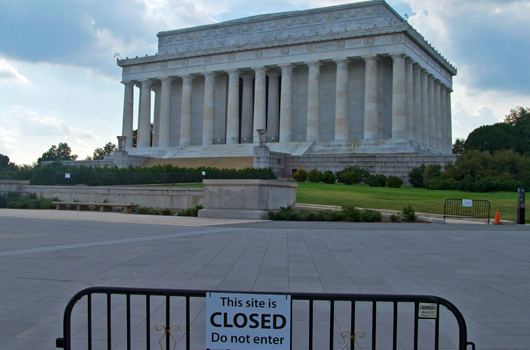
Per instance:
{"type": "Point", "coordinates": [467, 208]}
{"type": "Point", "coordinates": [395, 315]}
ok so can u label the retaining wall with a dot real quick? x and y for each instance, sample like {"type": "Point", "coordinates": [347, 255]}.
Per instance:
{"type": "Point", "coordinates": [146, 196]}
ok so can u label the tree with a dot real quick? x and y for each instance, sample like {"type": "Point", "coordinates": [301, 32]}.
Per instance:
{"type": "Point", "coordinates": [518, 115]}
{"type": "Point", "coordinates": [61, 152]}
{"type": "Point", "coordinates": [100, 153]}
{"type": "Point", "coordinates": [500, 136]}
{"type": "Point", "coordinates": [459, 146]}
{"type": "Point", "coordinates": [4, 161]}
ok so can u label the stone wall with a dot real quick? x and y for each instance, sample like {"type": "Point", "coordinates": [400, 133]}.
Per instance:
{"type": "Point", "coordinates": [389, 165]}
{"type": "Point", "coordinates": [145, 196]}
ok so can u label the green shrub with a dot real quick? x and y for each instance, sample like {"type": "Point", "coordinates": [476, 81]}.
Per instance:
{"type": "Point", "coordinates": [191, 211]}
{"type": "Point", "coordinates": [439, 183]}
{"type": "Point", "coordinates": [360, 174]}
{"type": "Point", "coordinates": [369, 215]}
{"type": "Point", "coordinates": [416, 176]}
{"type": "Point", "coordinates": [432, 171]}
{"type": "Point", "coordinates": [377, 180]}
{"type": "Point", "coordinates": [328, 177]}
{"type": "Point", "coordinates": [394, 182]}
{"type": "Point", "coordinates": [314, 176]}
{"type": "Point", "coordinates": [395, 217]}
{"type": "Point", "coordinates": [25, 201]}
{"type": "Point", "coordinates": [467, 184]}
{"type": "Point", "coordinates": [348, 178]}
{"type": "Point", "coordinates": [352, 214]}
{"type": "Point", "coordinates": [166, 212]}
{"type": "Point", "coordinates": [408, 214]}
{"type": "Point", "coordinates": [300, 175]}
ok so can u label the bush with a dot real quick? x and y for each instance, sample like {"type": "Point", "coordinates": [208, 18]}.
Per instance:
{"type": "Point", "coordinates": [15, 200]}
{"type": "Point", "coordinates": [432, 171]}
{"type": "Point", "coordinates": [441, 184]}
{"type": "Point", "coordinates": [348, 178]}
{"type": "Point", "coordinates": [328, 177]}
{"type": "Point", "coordinates": [191, 211]}
{"type": "Point", "coordinates": [394, 182]}
{"type": "Point", "coordinates": [300, 175]}
{"type": "Point", "coordinates": [467, 184]}
{"type": "Point", "coordinates": [370, 215]}
{"type": "Point", "coordinates": [54, 174]}
{"type": "Point", "coordinates": [352, 214]}
{"type": "Point", "coordinates": [395, 217]}
{"type": "Point", "coordinates": [416, 176]}
{"type": "Point", "coordinates": [314, 176]}
{"type": "Point", "coordinates": [360, 174]}
{"type": "Point", "coordinates": [377, 180]}
{"type": "Point", "coordinates": [409, 214]}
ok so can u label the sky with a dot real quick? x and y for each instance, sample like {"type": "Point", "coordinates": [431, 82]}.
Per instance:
{"type": "Point", "coordinates": [59, 81]}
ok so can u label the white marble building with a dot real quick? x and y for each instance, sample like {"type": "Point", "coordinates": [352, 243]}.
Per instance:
{"type": "Point", "coordinates": [353, 78]}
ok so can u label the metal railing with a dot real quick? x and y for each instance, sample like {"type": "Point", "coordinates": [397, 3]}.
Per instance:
{"type": "Point", "coordinates": [173, 152]}
{"type": "Point", "coordinates": [297, 146]}
{"type": "Point", "coordinates": [467, 208]}
{"type": "Point", "coordinates": [316, 323]}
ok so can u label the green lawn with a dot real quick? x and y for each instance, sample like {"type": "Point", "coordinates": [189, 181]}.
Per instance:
{"type": "Point", "coordinates": [422, 200]}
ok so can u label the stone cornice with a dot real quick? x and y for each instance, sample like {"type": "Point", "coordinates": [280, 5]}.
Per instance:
{"type": "Point", "coordinates": [363, 19]}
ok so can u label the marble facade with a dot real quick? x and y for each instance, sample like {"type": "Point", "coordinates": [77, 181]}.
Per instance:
{"type": "Point", "coordinates": [353, 78]}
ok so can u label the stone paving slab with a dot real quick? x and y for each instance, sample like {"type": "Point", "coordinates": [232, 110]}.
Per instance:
{"type": "Point", "coordinates": [483, 269]}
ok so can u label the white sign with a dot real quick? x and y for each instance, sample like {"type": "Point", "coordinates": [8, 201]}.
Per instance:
{"type": "Point", "coordinates": [66, 175]}
{"type": "Point", "coordinates": [467, 203]}
{"type": "Point", "coordinates": [248, 321]}
{"type": "Point", "coordinates": [204, 173]}
{"type": "Point", "coordinates": [428, 310]}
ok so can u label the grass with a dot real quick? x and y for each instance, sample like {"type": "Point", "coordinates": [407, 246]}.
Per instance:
{"type": "Point", "coordinates": [422, 200]}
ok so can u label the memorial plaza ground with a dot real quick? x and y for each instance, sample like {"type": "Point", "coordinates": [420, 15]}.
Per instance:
{"type": "Point", "coordinates": [47, 256]}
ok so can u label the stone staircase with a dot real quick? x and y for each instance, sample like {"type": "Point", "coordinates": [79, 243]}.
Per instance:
{"type": "Point", "coordinates": [239, 150]}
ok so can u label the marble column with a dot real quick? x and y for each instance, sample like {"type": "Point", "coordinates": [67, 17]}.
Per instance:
{"type": "Point", "coordinates": [247, 107]}
{"type": "Point", "coordinates": [432, 119]}
{"type": "Point", "coordinates": [128, 102]}
{"type": "Point", "coordinates": [438, 117]}
{"type": "Point", "coordinates": [273, 106]}
{"type": "Point", "coordinates": [443, 119]}
{"type": "Point", "coordinates": [232, 118]}
{"type": "Point", "coordinates": [156, 115]}
{"type": "Point", "coordinates": [165, 113]}
{"type": "Point", "coordinates": [409, 92]}
{"type": "Point", "coordinates": [185, 114]}
{"type": "Point", "coordinates": [144, 119]}
{"type": "Point", "coordinates": [449, 139]}
{"type": "Point", "coordinates": [286, 104]}
{"type": "Point", "coordinates": [425, 106]}
{"type": "Point", "coordinates": [313, 101]}
{"type": "Point", "coordinates": [418, 117]}
{"type": "Point", "coordinates": [399, 99]}
{"type": "Point", "coordinates": [341, 101]}
{"type": "Point", "coordinates": [208, 117]}
{"type": "Point", "coordinates": [260, 99]}
{"type": "Point", "coordinates": [370, 98]}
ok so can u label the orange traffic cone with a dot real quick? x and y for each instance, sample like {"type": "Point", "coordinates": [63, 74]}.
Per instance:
{"type": "Point", "coordinates": [497, 219]}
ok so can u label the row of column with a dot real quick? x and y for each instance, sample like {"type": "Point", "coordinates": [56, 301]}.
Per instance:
{"type": "Point", "coordinates": [421, 107]}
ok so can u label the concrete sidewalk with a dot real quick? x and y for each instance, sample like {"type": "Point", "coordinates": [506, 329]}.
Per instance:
{"type": "Point", "coordinates": [483, 269]}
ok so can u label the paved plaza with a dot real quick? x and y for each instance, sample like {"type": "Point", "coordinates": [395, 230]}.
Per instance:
{"type": "Point", "coordinates": [47, 256]}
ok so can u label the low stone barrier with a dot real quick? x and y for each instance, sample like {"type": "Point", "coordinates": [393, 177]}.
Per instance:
{"type": "Point", "coordinates": [245, 199]}
{"type": "Point", "coordinates": [175, 198]}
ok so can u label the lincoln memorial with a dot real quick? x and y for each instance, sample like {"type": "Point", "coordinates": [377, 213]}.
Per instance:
{"type": "Point", "coordinates": [342, 80]}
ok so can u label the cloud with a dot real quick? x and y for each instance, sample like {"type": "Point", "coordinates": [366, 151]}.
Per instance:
{"type": "Point", "coordinates": [487, 37]}
{"type": "Point", "coordinates": [30, 123]}
{"type": "Point", "coordinates": [9, 74]}
{"type": "Point", "coordinates": [87, 34]}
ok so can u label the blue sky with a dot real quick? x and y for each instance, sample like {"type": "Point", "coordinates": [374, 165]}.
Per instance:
{"type": "Point", "coordinates": [59, 81]}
